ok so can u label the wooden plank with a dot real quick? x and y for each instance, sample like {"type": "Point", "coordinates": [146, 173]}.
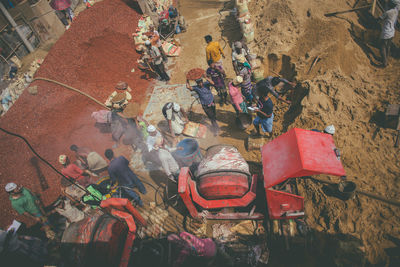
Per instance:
{"type": "Point", "coordinates": [373, 8]}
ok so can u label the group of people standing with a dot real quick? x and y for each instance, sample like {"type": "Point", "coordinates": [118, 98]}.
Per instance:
{"type": "Point", "coordinates": [244, 94]}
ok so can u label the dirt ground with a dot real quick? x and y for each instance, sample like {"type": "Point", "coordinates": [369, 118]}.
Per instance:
{"type": "Point", "coordinates": [344, 88]}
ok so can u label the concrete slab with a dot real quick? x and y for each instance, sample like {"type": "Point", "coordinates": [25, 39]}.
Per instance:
{"type": "Point", "coordinates": [168, 93]}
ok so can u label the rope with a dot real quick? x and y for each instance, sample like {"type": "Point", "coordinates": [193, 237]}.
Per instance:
{"type": "Point", "coordinates": [71, 88]}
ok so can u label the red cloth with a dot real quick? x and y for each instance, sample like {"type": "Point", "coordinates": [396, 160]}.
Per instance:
{"type": "Point", "coordinates": [72, 171]}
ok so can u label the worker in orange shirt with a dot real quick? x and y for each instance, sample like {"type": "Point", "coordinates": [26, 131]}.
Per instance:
{"type": "Point", "coordinates": [214, 51]}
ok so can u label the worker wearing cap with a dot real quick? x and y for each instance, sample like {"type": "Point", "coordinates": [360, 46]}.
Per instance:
{"type": "Point", "coordinates": [72, 171]}
{"type": "Point", "coordinates": [206, 99]}
{"type": "Point", "coordinates": [176, 117]}
{"type": "Point", "coordinates": [389, 18]}
{"type": "Point", "coordinates": [238, 50]}
{"type": "Point", "coordinates": [120, 97]}
{"type": "Point", "coordinates": [156, 60]}
{"type": "Point", "coordinates": [214, 51]}
{"type": "Point", "coordinates": [152, 137]}
{"type": "Point", "coordinates": [236, 95]}
{"type": "Point", "coordinates": [271, 82]}
{"type": "Point", "coordinates": [27, 204]}
{"type": "Point", "coordinates": [245, 72]}
{"type": "Point", "coordinates": [168, 162]}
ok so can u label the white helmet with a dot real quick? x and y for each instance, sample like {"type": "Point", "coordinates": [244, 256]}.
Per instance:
{"type": "Point", "coordinates": [151, 128]}
{"type": "Point", "coordinates": [10, 187]}
{"type": "Point", "coordinates": [147, 43]}
{"type": "Point", "coordinates": [176, 107]}
{"type": "Point", "coordinates": [330, 129]}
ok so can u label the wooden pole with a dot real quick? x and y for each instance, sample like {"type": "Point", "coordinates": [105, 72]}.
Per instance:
{"type": "Point", "coordinates": [346, 11]}
{"type": "Point", "coordinates": [373, 8]}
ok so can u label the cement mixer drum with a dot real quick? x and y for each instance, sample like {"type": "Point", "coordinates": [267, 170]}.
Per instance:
{"type": "Point", "coordinates": [223, 173]}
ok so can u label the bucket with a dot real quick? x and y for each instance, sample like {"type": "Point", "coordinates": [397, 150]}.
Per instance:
{"type": "Point", "coordinates": [189, 152]}
{"type": "Point", "coordinates": [346, 189]}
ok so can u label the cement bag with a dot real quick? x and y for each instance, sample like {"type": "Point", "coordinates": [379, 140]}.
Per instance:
{"type": "Point", "coordinates": [171, 50]}
{"type": "Point", "coordinates": [242, 9]}
{"type": "Point", "coordinates": [243, 18]}
{"type": "Point", "coordinates": [247, 27]}
{"type": "Point", "coordinates": [248, 37]}
{"type": "Point", "coordinates": [258, 74]}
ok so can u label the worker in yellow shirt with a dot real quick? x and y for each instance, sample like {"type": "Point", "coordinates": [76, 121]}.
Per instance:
{"type": "Point", "coordinates": [214, 51]}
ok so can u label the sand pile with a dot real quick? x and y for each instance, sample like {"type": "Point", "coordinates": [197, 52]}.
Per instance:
{"type": "Point", "coordinates": [343, 89]}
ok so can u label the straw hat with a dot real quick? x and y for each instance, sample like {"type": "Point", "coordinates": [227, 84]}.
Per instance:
{"type": "Point", "coordinates": [131, 110]}
{"type": "Point", "coordinates": [121, 86]}
{"type": "Point", "coordinates": [238, 80]}
{"type": "Point", "coordinates": [119, 98]}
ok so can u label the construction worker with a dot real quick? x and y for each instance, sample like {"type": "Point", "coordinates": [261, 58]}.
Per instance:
{"type": "Point", "coordinates": [156, 61]}
{"type": "Point", "coordinates": [155, 40]}
{"type": "Point", "coordinates": [73, 172]}
{"type": "Point", "coordinates": [236, 95]}
{"type": "Point", "coordinates": [176, 117]}
{"type": "Point", "coordinates": [217, 74]}
{"type": "Point", "coordinates": [27, 204]}
{"type": "Point", "coordinates": [89, 159]}
{"type": "Point", "coordinates": [264, 110]}
{"type": "Point", "coordinates": [120, 172]}
{"type": "Point", "coordinates": [389, 18]}
{"type": "Point", "coordinates": [206, 99]}
{"type": "Point", "coordinates": [237, 50]}
{"type": "Point", "coordinates": [119, 98]}
{"type": "Point", "coordinates": [270, 82]}
{"type": "Point", "coordinates": [214, 51]}
{"type": "Point", "coordinates": [245, 72]}
{"type": "Point", "coordinates": [168, 162]}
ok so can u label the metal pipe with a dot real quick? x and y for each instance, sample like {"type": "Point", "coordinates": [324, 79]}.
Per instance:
{"type": "Point", "coordinates": [19, 32]}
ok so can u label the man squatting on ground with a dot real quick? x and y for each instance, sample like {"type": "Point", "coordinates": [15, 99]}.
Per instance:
{"type": "Point", "coordinates": [175, 116]}
{"type": "Point", "coordinates": [89, 160]}
{"type": "Point", "coordinates": [72, 171]}
{"type": "Point", "coordinates": [270, 82]}
{"type": "Point", "coordinates": [206, 99]}
{"type": "Point", "coordinates": [119, 171]}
